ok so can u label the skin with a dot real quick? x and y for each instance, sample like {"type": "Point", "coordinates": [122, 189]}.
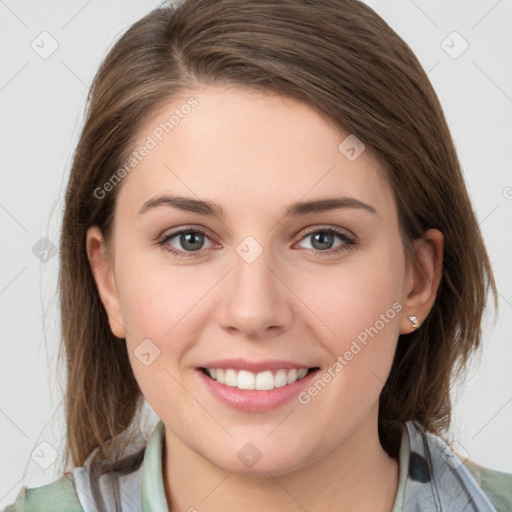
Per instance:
{"type": "Point", "coordinates": [253, 154]}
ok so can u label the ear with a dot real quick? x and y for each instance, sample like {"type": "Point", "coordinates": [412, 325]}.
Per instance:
{"type": "Point", "coordinates": [102, 268]}
{"type": "Point", "coordinates": [422, 280]}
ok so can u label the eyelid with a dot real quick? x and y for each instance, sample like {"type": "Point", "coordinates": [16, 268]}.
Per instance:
{"type": "Point", "coordinates": [326, 227]}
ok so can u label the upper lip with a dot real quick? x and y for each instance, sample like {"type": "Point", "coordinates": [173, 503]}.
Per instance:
{"type": "Point", "coordinates": [255, 366]}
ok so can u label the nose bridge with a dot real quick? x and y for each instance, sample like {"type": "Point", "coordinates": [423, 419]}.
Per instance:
{"type": "Point", "coordinates": [254, 297]}
{"type": "Point", "coordinates": [253, 280]}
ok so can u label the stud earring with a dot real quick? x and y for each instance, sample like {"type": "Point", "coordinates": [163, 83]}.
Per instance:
{"type": "Point", "coordinates": [413, 320]}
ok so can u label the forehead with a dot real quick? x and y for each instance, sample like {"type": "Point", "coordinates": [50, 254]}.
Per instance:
{"type": "Point", "coordinates": [248, 150]}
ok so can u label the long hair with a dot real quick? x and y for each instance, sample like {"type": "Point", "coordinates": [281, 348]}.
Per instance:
{"type": "Point", "coordinates": [340, 58]}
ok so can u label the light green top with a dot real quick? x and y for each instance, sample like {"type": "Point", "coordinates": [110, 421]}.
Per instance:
{"type": "Point", "coordinates": [431, 478]}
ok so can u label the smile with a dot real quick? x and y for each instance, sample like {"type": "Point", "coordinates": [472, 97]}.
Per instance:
{"type": "Point", "coordinates": [262, 381]}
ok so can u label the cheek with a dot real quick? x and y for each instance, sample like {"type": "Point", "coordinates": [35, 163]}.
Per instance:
{"type": "Point", "coordinates": [371, 301]}
{"type": "Point", "coordinates": [361, 309]}
{"type": "Point", "coordinates": [355, 295]}
{"type": "Point", "coordinates": [160, 319]}
{"type": "Point", "coordinates": [157, 305]}
{"type": "Point", "coordinates": [157, 299]}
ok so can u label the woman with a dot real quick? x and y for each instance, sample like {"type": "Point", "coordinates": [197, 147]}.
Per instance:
{"type": "Point", "coordinates": [267, 236]}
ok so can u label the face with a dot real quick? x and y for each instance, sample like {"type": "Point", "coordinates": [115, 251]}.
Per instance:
{"type": "Point", "coordinates": [251, 289]}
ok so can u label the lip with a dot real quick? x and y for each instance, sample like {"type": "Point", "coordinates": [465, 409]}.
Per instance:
{"type": "Point", "coordinates": [256, 366]}
{"type": "Point", "coordinates": [252, 400]}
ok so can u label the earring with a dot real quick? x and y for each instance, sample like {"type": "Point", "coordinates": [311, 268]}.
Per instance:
{"type": "Point", "coordinates": [413, 320]}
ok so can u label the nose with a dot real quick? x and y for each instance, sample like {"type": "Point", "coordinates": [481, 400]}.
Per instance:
{"type": "Point", "coordinates": [257, 302]}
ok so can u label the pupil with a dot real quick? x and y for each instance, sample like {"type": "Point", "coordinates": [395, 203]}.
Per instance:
{"type": "Point", "coordinates": [188, 239]}
{"type": "Point", "coordinates": [325, 240]}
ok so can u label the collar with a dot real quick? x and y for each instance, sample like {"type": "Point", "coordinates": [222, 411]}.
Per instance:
{"type": "Point", "coordinates": [153, 491]}
{"type": "Point", "coordinates": [431, 477]}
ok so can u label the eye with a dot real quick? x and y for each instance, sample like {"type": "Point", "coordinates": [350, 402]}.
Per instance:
{"type": "Point", "coordinates": [323, 241]}
{"type": "Point", "coordinates": [185, 242]}
{"type": "Point", "coordinates": [189, 242]}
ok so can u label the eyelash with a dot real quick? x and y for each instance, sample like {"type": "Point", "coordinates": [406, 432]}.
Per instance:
{"type": "Point", "coordinates": [347, 245]}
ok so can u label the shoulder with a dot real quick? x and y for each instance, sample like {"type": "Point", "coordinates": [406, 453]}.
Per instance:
{"type": "Point", "coordinates": [99, 485]}
{"type": "Point", "coordinates": [440, 475]}
{"type": "Point", "coordinates": [496, 485]}
{"type": "Point", "coordinates": [88, 488]}
{"type": "Point", "coordinates": [59, 496]}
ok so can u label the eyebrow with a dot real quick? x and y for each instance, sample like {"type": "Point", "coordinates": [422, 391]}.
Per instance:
{"type": "Point", "coordinates": [294, 210]}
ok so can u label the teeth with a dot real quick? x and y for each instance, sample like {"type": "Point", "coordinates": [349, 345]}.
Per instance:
{"type": "Point", "coordinates": [230, 378]}
{"type": "Point", "coordinates": [280, 378]}
{"type": "Point", "coordinates": [262, 381]}
{"type": "Point", "coordinates": [291, 377]}
{"type": "Point", "coordinates": [245, 380]}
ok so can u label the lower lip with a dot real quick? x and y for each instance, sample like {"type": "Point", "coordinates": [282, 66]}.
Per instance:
{"type": "Point", "coordinates": [250, 400]}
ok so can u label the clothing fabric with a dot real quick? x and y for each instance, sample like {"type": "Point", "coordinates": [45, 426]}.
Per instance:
{"type": "Point", "coordinates": [432, 478]}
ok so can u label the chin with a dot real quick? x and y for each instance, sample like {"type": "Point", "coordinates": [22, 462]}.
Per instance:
{"type": "Point", "coordinates": [249, 460]}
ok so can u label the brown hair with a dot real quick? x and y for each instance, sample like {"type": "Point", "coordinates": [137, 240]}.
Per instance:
{"type": "Point", "coordinates": [342, 59]}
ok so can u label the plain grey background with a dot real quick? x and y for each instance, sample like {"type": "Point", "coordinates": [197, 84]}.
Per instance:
{"type": "Point", "coordinates": [465, 46]}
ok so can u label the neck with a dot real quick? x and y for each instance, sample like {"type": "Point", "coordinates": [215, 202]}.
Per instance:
{"type": "Point", "coordinates": [358, 475]}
